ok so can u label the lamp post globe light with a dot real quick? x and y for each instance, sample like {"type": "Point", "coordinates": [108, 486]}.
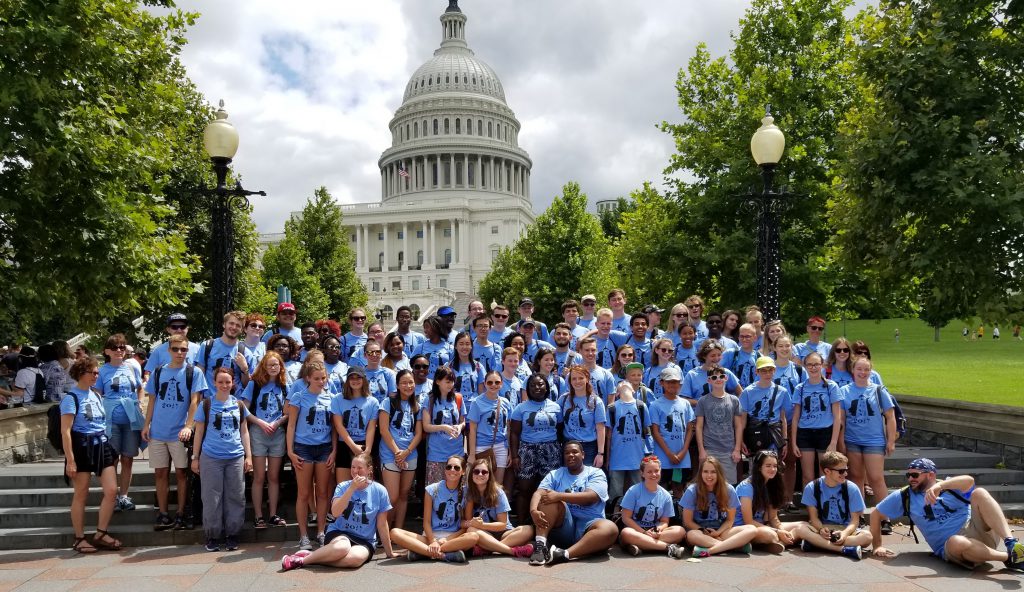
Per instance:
{"type": "Point", "coordinates": [221, 142]}
{"type": "Point", "coordinates": [767, 145]}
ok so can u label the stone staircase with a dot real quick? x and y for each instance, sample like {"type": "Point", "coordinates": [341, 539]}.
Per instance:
{"type": "Point", "coordinates": [461, 305]}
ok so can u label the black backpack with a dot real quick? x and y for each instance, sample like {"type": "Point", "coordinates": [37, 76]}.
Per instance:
{"type": "Point", "coordinates": [844, 491]}
{"type": "Point", "coordinates": [189, 373]}
{"type": "Point", "coordinates": [39, 391]}
{"type": "Point", "coordinates": [53, 434]}
{"type": "Point", "coordinates": [905, 498]}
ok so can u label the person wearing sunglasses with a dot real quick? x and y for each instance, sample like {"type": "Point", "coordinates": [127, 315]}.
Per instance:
{"type": "Point", "coordinates": [696, 385]}
{"type": "Point", "coordinates": [663, 355]}
{"type": "Point", "coordinates": [814, 343]}
{"type": "Point", "coordinates": [834, 506]}
{"type": "Point", "coordinates": [337, 370]}
{"type": "Point", "coordinates": [961, 523]}
{"type": "Point", "coordinates": [588, 306]}
{"type": "Point", "coordinates": [420, 366]}
{"type": "Point", "coordinates": [375, 333]}
{"type": "Point", "coordinates": [485, 351]}
{"type": "Point", "coordinates": [177, 324]}
{"type": "Point", "coordinates": [489, 417]}
{"type": "Point", "coordinates": [499, 324]}
{"type": "Point", "coordinates": [694, 311]}
{"type": "Point", "coordinates": [487, 515]}
{"type": "Point", "coordinates": [252, 345]}
{"type": "Point", "coordinates": [122, 389]}
{"type": "Point", "coordinates": [286, 317]}
{"type": "Point", "coordinates": [356, 337]}
{"type": "Point", "coordinates": [838, 365]}
{"type": "Point", "coordinates": [444, 537]}
{"type": "Point", "coordinates": [720, 424]}
{"type": "Point", "coordinates": [761, 495]}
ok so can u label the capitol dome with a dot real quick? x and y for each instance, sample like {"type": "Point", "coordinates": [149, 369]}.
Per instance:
{"type": "Point", "coordinates": [453, 70]}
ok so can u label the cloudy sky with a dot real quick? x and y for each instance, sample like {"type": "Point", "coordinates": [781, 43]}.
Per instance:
{"type": "Point", "coordinates": [312, 85]}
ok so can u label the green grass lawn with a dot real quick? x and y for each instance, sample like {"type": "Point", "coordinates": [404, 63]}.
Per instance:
{"type": "Point", "coordinates": [986, 371]}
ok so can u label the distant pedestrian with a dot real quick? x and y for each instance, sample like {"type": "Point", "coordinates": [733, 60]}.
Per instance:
{"type": "Point", "coordinates": [1016, 332]}
{"type": "Point", "coordinates": [965, 333]}
{"type": "Point", "coordinates": [896, 334]}
{"type": "Point", "coordinates": [995, 333]}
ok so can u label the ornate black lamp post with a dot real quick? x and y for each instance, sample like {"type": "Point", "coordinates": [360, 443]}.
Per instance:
{"type": "Point", "coordinates": [767, 146]}
{"type": "Point", "coordinates": [221, 142]}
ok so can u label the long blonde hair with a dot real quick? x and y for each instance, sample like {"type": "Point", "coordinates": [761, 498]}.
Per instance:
{"type": "Point", "coordinates": [721, 491]}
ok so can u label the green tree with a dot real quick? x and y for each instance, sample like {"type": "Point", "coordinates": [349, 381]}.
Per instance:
{"type": "Point", "coordinates": [790, 54]}
{"type": "Point", "coordinates": [288, 263]}
{"type": "Point", "coordinates": [646, 251]}
{"type": "Point", "coordinates": [97, 112]}
{"type": "Point", "coordinates": [563, 254]}
{"type": "Point", "coordinates": [931, 161]}
{"type": "Point", "coordinates": [610, 219]}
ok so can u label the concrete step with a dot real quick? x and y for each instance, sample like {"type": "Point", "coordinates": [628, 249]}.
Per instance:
{"type": "Point", "coordinates": [982, 476]}
{"type": "Point", "coordinates": [41, 517]}
{"type": "Point", "coordinates": [134, 535]}
{"type": "Point", "coordinates": [948, 461]}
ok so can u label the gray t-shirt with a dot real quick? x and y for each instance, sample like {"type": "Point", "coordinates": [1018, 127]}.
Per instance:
{"type": "Point", "coordinates": [719, 432]}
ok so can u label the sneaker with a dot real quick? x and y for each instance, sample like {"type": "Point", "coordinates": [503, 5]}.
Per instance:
{"type": "Point", "coordinates": [540, 554]}
{"type": "Point", "coordinates": [320, 539]}
{"type": "Point", "coordinates": [259, 522]}
{"type": "Point", "coordinates": [806, 547]}
{"type": "Point", "coordinates": [676, 551]}
{"type": "Point", "coordinates": [212, 545]}
{"type": "Point", "coordinates": [557, 555]}
{"type": "Point", "coordinates": [117, 504]}
{"type": "Point", "coordinates": [748, 549]}
{"type": "Point", "coordinates": [330, 518]}
{"type": "Point", "coordinates": [414, 556]}
{"type": "Point", "coordinates": [290, 562]}
{"type": "Point", "coordinates": [522, 551]}
{"type": "Point", "coordinates": [631, 550]}
{"type": "Point", "coordinates": [478, 551]}
{"type": "Point", "coordinates": [126, 503]}
{"type": "Point", "coordinates": [276, 520]}
{"type": "Point", "coordinates": [700, 552]}
{"type": "Point", "coordinates": [455, 557]}
{"type": "Point", "coordinates": [302, 554]}
{"type": "Point", "coordinates": [853, 552]}
{"type": "Point", "coordinates": [304, 543]}
{"type": "Point", "coordinates": [179, 522]}
{"type": "Point", "coordinates": [311, 520]}
{"type": "Point", "coordinates": [190, 522]}
{"type": "Point", "coordinates": [886, 527]}
{"type": "Point", "coordinates": [231, 543]}
{"type": "Point", "coordinates": [163, 522]}
{"type": "Point", "coordinates": [1015, 555]}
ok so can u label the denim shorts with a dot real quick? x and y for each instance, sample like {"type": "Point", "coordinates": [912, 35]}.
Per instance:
{"type": "Point", "coordinates": [314, 453]}
{"type": "Point", "coordinates": [571, 530]}
{"type": "Point", "coordinates": [859, 449]}
{"type": "Point", "coordinates": [124, 440]}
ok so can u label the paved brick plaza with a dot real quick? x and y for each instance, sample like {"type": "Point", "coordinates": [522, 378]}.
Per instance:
{"type": "Point", "coordinates": [257, 567]}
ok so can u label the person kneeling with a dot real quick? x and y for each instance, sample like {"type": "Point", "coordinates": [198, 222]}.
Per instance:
{"type": "Point", "coordinates": [568, 506]}
{"type": "Point", "coordinates": [835, 507]}
{"type": "Point", "coordinates": [443, 536]}
{"type": "Point", "coordinates": [646, 510]}
{"type": "Point", "coordinates": [487, 516]}
{"type": "Point", "coordinates": [709, 508]}
{"type": "Point", "coordinates": [360, 507]}
{"type": "Point", "coordinates": [960, 522]}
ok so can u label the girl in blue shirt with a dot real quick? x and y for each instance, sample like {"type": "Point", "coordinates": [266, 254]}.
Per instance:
{"type": "Point", "coordinates": [544, 364]}
{"type": "Point", "coordinates": [444, 536]}
{"type": "Point", "coordinates": [817, 409]}
{"type": "Point", "coordinates": [695, 383]}
{"type": "Point", "coordinates": [761, 495]}
{"type": "Point", "coordinates": [435, 347]}
{"type": "Point", "coordinates": [355, 420]}
{"type": "Point", "coordinates": [444, 419]}
{"type": "Point", "coordinates": [401, 430]}
{"type": "Point", "coordinates": [511, 383]}
{"type": "Point", "coordinates": [870, 428]}
{"type": "Point", "coordinates": [121, 387]}
{"type": "Point", "coordinates": [489, 418]}
{"type": "Point", "coordinates": [381, 380]}
{"type": "Point", "coordinates": [336, 368]}
{"type": "Point", "coordinates": [686, 350]}
{"type": "Point", "coordinates": [265, 397]}
{"type": "Point", "coordinates": [583, 416]}
{"type": "Point", "coordinates": [286, 348]}
{"type": "Point", "coordinates": [516, 341]}
{"type": "Point", "coordinates": [487, 515]}
{"type": "Point", "coordinates": [533, 439]}
{"type": "Point", "coordinates": [624, 356]}
{"type": "Point", "coordinates": [837, 367]}
{"type": "Point", "coordinates": [709, 513]}
{"type": "Point", "coordinates": [395, 358]}
{"type": "Point", "coordinates": [469, 374]}
{"type": "Point", "coordinates": [311, 444]}
{"type": "Point", "coordinates": [646, 510]}
{"type": "Point", "coordinates": [663, 354]}
{"type": "Point", "coordinates": [87, 452]}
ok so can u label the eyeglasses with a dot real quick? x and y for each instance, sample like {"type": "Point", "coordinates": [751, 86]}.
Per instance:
{"type": "Point", "coordinates": [357, 319]}
{"type": "Point", "coordinates": [178, 350]}
{"type": "Point", "coordinates": [717, 377]}
{"type": "Point", "coordinates": [282, 345]}
{"type": "Point", "coordinates": [177, 327]}
{"type": "Point", "coordinates": [118, 348]}
{"type": "Point", "coordinates": [812, 364]}
{"type": "Point", "coordinates": [500, 316]}
{"type": "Point", "coordinates": [842, 350]}
{"type": "Point", "coordinates": [665, 350]}
{"type": "Point", "coordinates": [481, 472]}
{"type": "Point", "coordinates": [627, 355]}
{"type": "Point", "coordinates": [374, 352]}
{"type": "Point", "coordinates": [913, 475]}
{"type": "Point", "coordinates": [493, 382]}
{"type": "Point", "coordinates": [842, 471]}
{"type": "Point", "coordinates": [693, 306]}
{"type": "Point", "coordinates": [815, 328]}
{"type": "Point", "coordinates": [679, 314]}
{"type": "Point", "coordinates": [453, 467]}
{"type": "Point", "coordinates": [257, 326]}
{"type": "Point", "coordinates": [421, 367]}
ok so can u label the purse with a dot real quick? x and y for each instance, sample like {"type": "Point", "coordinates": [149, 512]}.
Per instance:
{"type": "Point", "coordinates": [763, 433]}
{"type": "Point", "coordinates": [488, 454]}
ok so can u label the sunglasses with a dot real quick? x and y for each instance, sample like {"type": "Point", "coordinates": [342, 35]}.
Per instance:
{"type": "Point", "coordinates": [665, 350]}
{"type": "Point", "coordinates": [374, 352]}
{"type": "Point", "coordinates": [178, 350]}
{"type": "Point", "coordinates": [842, 350]}
{"type": "Point", "coordinates": [481, 472]}
{"type": "Point", "coordinates": [118, 348]}
{"type": "Point", "coordinates": [178, 327]}
{"type": "Point", "coordinates": [421, 367]}
{"type": "Point", "coordinates": [861, 352]}
{"type": "Point", "coordinates": [589, 303]}
{"type": "Point", "coordinates": [679, 314]}
{"type": "Point", "coordinates": [841, 471]}
{"type": "Point", "coordinates": [717, 377]}
{"type": "Point", "coordinates": [815, 328]}
{"type": "Point", "coordinates": [357, 319]}
{"type": "Point", "coordinates": [453, 467]}
{"type": "Point", "coordinates": [500, 316]}
{"type": "Point", "coordinates": [911, 475]}
{"type": "Point", "coordinates": [493, 382]}
{"type": "Point", "coordinates": [257, 326]}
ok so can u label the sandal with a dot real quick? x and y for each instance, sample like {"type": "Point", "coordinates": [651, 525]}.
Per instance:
{"type": "Point", "coordinates": [103, 540]}
{"type": "Point", "coordinates": [79, 546]}
{"type": "Point", "coordinates": [260, 523]}
{"type": "Point", "coordinates": [278, 521]}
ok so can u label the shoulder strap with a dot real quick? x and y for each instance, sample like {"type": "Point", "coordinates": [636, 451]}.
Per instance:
{"type": "Point", "coordinates": [206, 355]}
{"type": "Point", "coordinates": [905, 498]}
{"type": "Point", "coordinates": [817, 499]}
{"type": "Point", "coordinates": [156, 379]}
{"type": "Point", "coordinates": [190, 371]}
{"type": "Point", "coordinates": [611, 412]}
{"type": "Point", "coordinates": [844, 491]}
{"type": "Point", "coordinates": [771, 402]}
{"type": "Point", "coordinates": [642, 408]}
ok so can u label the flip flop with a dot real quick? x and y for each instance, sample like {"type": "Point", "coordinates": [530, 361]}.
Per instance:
{"type": "Point", "coordinates": [78, 546]}
{"type": "Point", "coordinates": [103, 540]}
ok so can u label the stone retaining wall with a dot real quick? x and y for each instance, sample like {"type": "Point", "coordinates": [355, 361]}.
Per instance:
{"type": "Point", "coordinates": [23, 434]}
{"type": "Point", "coordinates": [963, 425]}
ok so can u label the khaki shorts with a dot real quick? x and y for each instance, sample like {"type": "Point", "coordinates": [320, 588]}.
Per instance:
{"type": "Point", "coordinates": [162, 453]}
{"type": "Point", "coordinates": [977, 529]}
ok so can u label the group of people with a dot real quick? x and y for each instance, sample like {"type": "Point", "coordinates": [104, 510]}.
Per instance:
{"type": "Point", "coordinates": [603, 416]}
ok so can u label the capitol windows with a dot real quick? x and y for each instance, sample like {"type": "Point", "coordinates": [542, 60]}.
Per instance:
{"type": "Point", "coordinates": [401, 235]}
{"type": "Point", "coordinates": [447, 128]}
{"type": "Point", "coordinates": [419, 258]}
{"type": "Point", "coordinates": [380, 236]}
{"type": "Point", "coordinates": [416, 129]}
{"type": "Point", "coordinates": [458, 126]}
{"type": "Point", "coordinates": [494, 257]}
{"type": "Point", "coordinates": [443, 283]}
{"type": "Point", "coordinates": [490, 132]}
{"type": "Point", "coordinates": [435, 127]}
{"type": "Point", "coordinates": [433, 177]}
{"type": "Point", "coordinates": [380, 260]}
{"type": "Point", "coordinates": [407, 131]}
{"type": "Point", "coordinates": [447, 257]}
{"type": "Point", "coordinates": [448, 232]}
{"type": "Point", "coordinates": [419, 234]}
{"type": "Point", "coordinates": [447, 79]}
{"type": "Point", "coordinates": [494, 230]}
{"type": "Point", "coordinates": [354, 238]}
{"type": "Point", "coordinates": [375, 287]}
{"type": "Point", "coordinates": [458, 173]}
{"type": "Point", "coordinates": [479, 127]}
{"type": "Point", "coordinates": [415, 284]}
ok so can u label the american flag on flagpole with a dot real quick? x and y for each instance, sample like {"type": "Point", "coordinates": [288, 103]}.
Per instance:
{"type": "Point", "coordinates": [401, 171]}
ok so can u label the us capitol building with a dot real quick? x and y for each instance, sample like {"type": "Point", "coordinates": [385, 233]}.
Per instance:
{"type": "Point", "coordinates": [455, 185]}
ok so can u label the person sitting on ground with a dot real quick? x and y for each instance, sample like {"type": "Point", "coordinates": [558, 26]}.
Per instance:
{"type": "Point", "coordinates": [960, 522]}
{"type": "Point", "coordinates": [444, 536]}
{"type": "Point", "coordinates": [709, 507]}
{"type": "Point", "coordinates": [761, 495]}
{"type": "Point", "coordinates": [361, 508]}
{"type": "Point", "coordinates": [646, 510]}
{"type": "Point", "coordinates": [487, 515]}
{"type": "Point", "coordinates": [834, 506]}
{"type": "Point", "coordinates": [568, 507]}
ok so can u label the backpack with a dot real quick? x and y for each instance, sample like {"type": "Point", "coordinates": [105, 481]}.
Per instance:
{"type": "Point", "coordinates": [53, 432]}
{"type": "Point", "coordinates": [905, 498]}
{"type": "Point", "coordinates": [844, 491]}
{"type": "Point", "coordinates": [39, 389]}
{"type": "Point", "coordinates": [189, 372]}
{"type": "Point", "coordinates": [642, 408]}
{"type": "Point", "coordinates": [901, 420]}
{"type": "Point", "coordinates": [206, 415]}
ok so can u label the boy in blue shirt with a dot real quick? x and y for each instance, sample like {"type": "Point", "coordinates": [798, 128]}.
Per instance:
{"type": "Point", "coordinates": [617, 302]}
{"type": "Point", "coordinates": [765, 401]}
{"type": "Point", "coordinates": [742, 361]}
{"type": "Point", "coordinates": [526, 312]}
{"type": "Point", "coordinates": [286, 315]}
{"type": "Point", "coordinates": [223, 352]}
{"type": "Point", "coordinates": [672, 425]}
{"type": "Point", "coordinates": [629, 423]}
{"type": "Point", "coordinates": [834, 506]}
{"type": "Point", "coordinates": [177, 324]}
{"type": "Point", "coordinates": [608, 340]}
{"type": "Point", "coordinates": [960, 522]}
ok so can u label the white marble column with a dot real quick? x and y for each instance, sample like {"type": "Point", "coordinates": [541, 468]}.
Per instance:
{"type": "Point", "coordinates": [384, 266]}
{"type": "Point", "coordinates": [359, 246]}
{"type": "Point", "coordinates": [426, 245]}
{"type": "Point", "coordinates": [433, 244]}
{"type": "Point", "coordinates": [455, 250]}
{"type": "Point", "coordinates": [479, 172]}
{"type": "Point", "coordinates": [405, 245]}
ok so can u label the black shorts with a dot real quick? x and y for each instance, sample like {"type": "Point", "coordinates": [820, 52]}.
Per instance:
{"type": "Point", "coordinates": [667, 477]}
{"type": "Point", "coordinates": [813, 438]}
{"type": "Point", "coordinates": [92, 453]}
{"type": "Point", "coordinates": [344, 459]}
{"type": "Point", "coordinates": [356, 542]}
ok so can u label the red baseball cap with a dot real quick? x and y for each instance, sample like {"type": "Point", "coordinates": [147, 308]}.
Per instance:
{"type": "Point", "coordinates": [285, 306]}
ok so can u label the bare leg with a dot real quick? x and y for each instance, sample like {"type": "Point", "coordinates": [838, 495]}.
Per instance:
{"type": "Point", "coordinates": [303, 486]}
{"type": "Point", "coordinates": [669, 536]}
{"type": "Point", "coordinates": [338, 553]}
{"type": "Point", "coordinates": [126, 473]}
{"type": "Point", "coordinates": [554, 513]}
{"type": "Point", "coordinates": [807, 466]}
{"type": "Point", "coordinates": [259, 475]}
{"type": "Point", "coordinates": [78, 502]}
{"type": "Point", "coordinates": [274, 482]}
{"type": "Point", "coordinates": [734, 538]}
{"type": "Point", "coordinates": [392, 481]}
{"type": "Point", "coordinates": [181, 477]}
{"type": "Point", "coordinates": [108, 480]}
{"type": "Point", "coordinates": [857, 473]}
{"type": "Point", "coordinates": [874, 467]}
{"type": "Point", "coordinates": [417, 543]}
{"type": "Point", "coordinates": [324, 478]}
{"type": "Point", "coordinates": [405, 484]}
{"type": "Point", "coordinates": [598, 538]}
{"type": "Point", "coordinates": [162, 478]}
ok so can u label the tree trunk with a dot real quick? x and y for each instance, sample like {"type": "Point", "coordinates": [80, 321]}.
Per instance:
{"type": "Point", "coordinates": [937, 329]}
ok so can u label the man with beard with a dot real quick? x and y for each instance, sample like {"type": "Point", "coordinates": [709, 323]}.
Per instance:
{"type": "Point", "coordinates": [564, 356]}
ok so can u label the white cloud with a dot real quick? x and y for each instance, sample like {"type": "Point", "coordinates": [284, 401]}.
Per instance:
{"type": "Point", "coordinates": [312, 85]}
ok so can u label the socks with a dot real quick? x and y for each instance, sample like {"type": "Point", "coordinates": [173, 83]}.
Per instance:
{"type": "Point", "coordinates": [541, 540]}
{"type": "Point", "coordinates": [1009, 542]}
{"type": "Point", "coordinates": [567, 558]}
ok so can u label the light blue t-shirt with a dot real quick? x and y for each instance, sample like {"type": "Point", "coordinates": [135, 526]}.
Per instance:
{"type": "Point", "coordinates": [587, 324]}
{"type": "Point", "coordinates": [713, 516]}
{"type": "Point", "coordinates": [356, 415]}
{"type": "Point", "coordinates": [672, 418]}
{"type": "Point", "coordinates": [222, 438]}
{"type": "Point", "coordinates": [757, 402]}
{"type": "Point", "coordinates": [438, 354]}
{"type": "Point", "coordinates": [253, 355]}
{"type": "Point", "coordinates": [603, 383]}
{"type": "Point", "coordinates": [789, 377]}
{"type": "Point", "coordinates": [291, 371]}
{"type": "Point", "coordinates": [567, 357]}
{"type": "Point", "coordinates": [468, 378]}
{"type": "Point", "coordinates": [382, 383]}
{"type": "Point", "coordinates": [488, 355]}
{"type": "Point", "coordinates": [269, 400]}
{"type": "Point", "coordinates": [161, 355]}
{"type": "Point", "coordinates": [581, 416]}
{"type": "Point", "coordinates": [621, 323]}
{"type": "Point", "coordinates": [359, 518]}
{"type": "Point", "coordinates": [402, 425]}
{"type": "Point", "coordinates": [802, 349]}
{"type": "Point", "coordinates": [498, 337]}
{"type": "Point", "coordinates": [628, 445]}
{"type": "Point", "coordinates": [411, 341]}
{"type": "Point", "coordinates": [539, 419]}
{"type": "Point", "coordinates": [695, 383]}
{"type": "Point", "coordinates": [482, 413]}
{"type": "Point", "coordinates": [491, 514]}
{"type": "Point", "coordinates": [350, 344]}
{"type": "Point", "coordinates": [843, 378]}
{"type": "Point", "coordinates": [220, 354]}
{"type": "Point", "coordinates": [641, 350]}
{"type": "Point", "coordinates": [938, 522]}
{"type": "Point", "coordinates": [864, 409]}
{"type": "Point", "coordinates": [815, 402]}
{"type": "Point", "coordinates": [511, 389]}
{"type": "Point", "coordinates": [172, 400]}
{"type": "Point", "coordinates": [745, 489]}
{"type": "Point", "coordinates": [686, 359]}
{"type": "Point", "coordinates": [91, 417]}
{"type": "Point", "coordinates": [742, 364]}
{"type": "Point", "coordinates": [648, 507]}
{"type": "Point", "coordinates": [447, 506]}
{"type": "Point", "coordinates": [313, 421]}
{"type": "Point", "coordinates": [533, 347]}
{"type": "Point", "coordinates": [589, 478]}
{"type": "Point", "coordinates": [295, 333]}
{"type": "Point", "coordinates": [832, 509]}
{"type": "Point", "coordinates": [607, 346]}
{"type": "Point", "coordinates": [652, 379]}
{"type": "Point", "coordinates": [440, 445]}
{"type": "Point", "coordinates": [336, 373]}
{"type": "Point", "coordinates": [117, 383]}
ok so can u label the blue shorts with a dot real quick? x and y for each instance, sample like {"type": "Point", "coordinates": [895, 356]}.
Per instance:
{"type": "Point", "coordinates": [859, 449]}
{"type": "Point", "coordinates": [314, 453]}
{"type": "Point", "coordinates": [571, 530]}
{"type": "Point", "coordinates": [124, 440]}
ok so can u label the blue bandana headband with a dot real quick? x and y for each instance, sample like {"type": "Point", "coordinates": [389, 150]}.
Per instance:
{"type": "Point", "coordinates": [923, 464]}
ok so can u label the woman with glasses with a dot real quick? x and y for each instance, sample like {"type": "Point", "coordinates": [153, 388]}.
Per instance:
{"type": "Point", "coordinates": [312, 446]}
{"type": "Point", "coordinates": [663, 355]}
{"type": "Point", "coordinates": [647, 508]}
{"type": "Point", "coordinates": [710, 506]}
{"type": "Point", "coordinates": [435, 347]}
{"type": "Point", "coordinates": [394, 353]}
{"type": "Point", "coordinates": [676, 318]}
{"type": "Point", "coordinates": [252, 347]}
{"type": "Point", "coordinates": [121, 386]}
{"type": "Point", "coordinates": [355, 339]}
{"type": "Point", "coordinates": [444, 538]}
{"type": "Point", "coordinates": [264, 396]}
{"type": "Point", "coordinates": [720, 424]}
{"type": "Point", "coordinates": [696, 385]}
{"type": "Point", "coordinates": [487, 516]}
{"type": "Point", "coordinates": [354, 415]}
{"type": "Point", "coordinates": [469, 374]}
{"type": "Point", "coordinates": [761, 495]}
{"type": "Point", "coordinates": [837, 366]}
{"type": "Point", "coordinates": [381, 379]}
{"type": "Point", "coordinates": [401, 429]}
{"type": "Point", "coordinates": [817, 417]}
{"type": "Point", "coordinates": [375, 333]}
{"type": "Point", "coordinates": [287, 348]}
{"type": "Point", "coordinates": [870, 421]}
{"type": "Point", "coordinates": [489, 417]}
{"type": "Point", "coordinates": [336, 369]}
{"type": "Point", "coordinates": [533, 440]}
{"type": "Point", "coordinates": [444, 420]}
{"type": "Point", "coordinates": [624, 356]}
{"type": "Point", "coordinates": [87, 451]}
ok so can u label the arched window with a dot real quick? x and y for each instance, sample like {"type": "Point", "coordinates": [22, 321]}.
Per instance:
{"type": "Point", "coordinates": [380, 261]}
{"type": "Point", "coordinates": [387, 313]}
{"type": "Point", "coordinates": [415, 310]}
{"type": "Point", "coordinates": [416, 129]}
{"type": "Point", "coordinates": [435, 127]}
{"type": "Point", "coordinates": [479, 127]}
{"type": "Point", "coordinates": [458, 125]}
{"type": "Point", "coordinates": [407, 131]}
{"type": "Point", "coordinates": [447, 256]}
{"type": "Point", "coordinates": [490, 131]}
{"type": "Point", "coordinates": [401, 258]}
{"type": "Point", "coordinates": [447, 128]}
{"type": "Point", "coordinates": [419, 258]}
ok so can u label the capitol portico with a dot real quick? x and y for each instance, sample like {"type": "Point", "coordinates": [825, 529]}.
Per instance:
{"type": "Point", "coordinates": [455, 185]}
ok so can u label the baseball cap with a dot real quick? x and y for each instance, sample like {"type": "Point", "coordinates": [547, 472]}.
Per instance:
{"type": "Point", "coordinates": [923, 464]}
{"type": "Point", "coordinates": [671, 373]}
{"type": "Point", "coordinates": [285, 306]}
{"type": "Point", "coordinates": [588, 298]}
{"type": "Point", "coordinates": [651, 308]}
{"type": "Point", "coordinates": [177, 318]}
{"type": "Point", "coordinates": [765, 362]}
{"type": "Point", "coordinates": [445, 311]}
{"type": "Point", "coordinates": [525, 301]}
{"type": "Point", "coordinates": [634, 366]}
{"type": "Point", "coordinates": [356, 370]}
{"type": "Point", "coordinates": [529, 322]}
